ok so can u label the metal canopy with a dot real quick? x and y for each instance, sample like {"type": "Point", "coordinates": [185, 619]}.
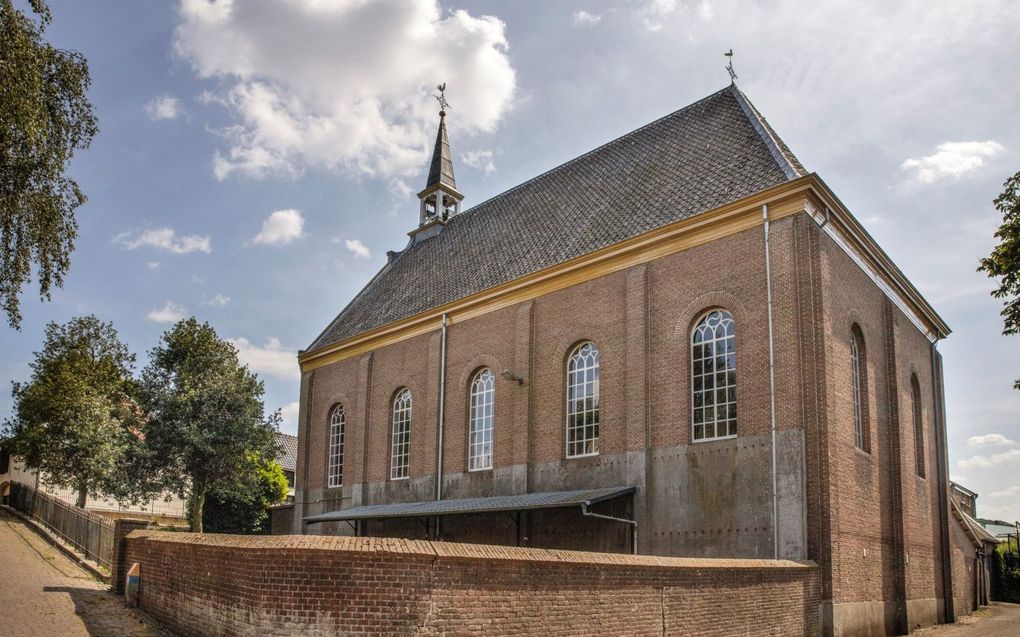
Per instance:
{"type": "Point", "coordinates": [526, 502]}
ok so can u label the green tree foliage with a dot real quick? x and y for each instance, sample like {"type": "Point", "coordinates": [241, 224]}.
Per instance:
{"type": "Point", "coordinates": [45, 116]}
{"type": "Point", "coordinates": [1006, 573]}
{"type": "Point", "coordinates": [75, 420]}
{"type": "Point", "coordinates": [205, 416]}
{"type": "Point", "coordinates": [242, 506]}
{"type": "Point", "coordinates": [1004, 261]}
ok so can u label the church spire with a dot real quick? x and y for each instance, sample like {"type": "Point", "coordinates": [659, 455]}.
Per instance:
{"type": "Point", "coordinates": [440, 199]}
{"type": "Point", "coordinates": [441, 170]}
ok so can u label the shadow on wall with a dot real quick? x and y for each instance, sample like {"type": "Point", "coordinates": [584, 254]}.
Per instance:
{"type": "Point", "coordinates": [104, 614]}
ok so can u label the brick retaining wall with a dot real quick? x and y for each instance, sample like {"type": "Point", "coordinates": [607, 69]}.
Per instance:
{"type": "Point", "coordinates": [319, 585]}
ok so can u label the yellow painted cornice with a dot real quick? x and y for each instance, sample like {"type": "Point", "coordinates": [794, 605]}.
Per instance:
{"type": "Point", "coordinates": [800, 195]}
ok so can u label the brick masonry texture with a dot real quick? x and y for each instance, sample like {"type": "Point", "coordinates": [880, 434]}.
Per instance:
{"type": "Point", "coordinates": [868, 518]}
{"type": "Point", "coordinates": [317, 585]}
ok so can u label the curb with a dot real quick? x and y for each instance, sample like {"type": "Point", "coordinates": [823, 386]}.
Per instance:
{"type": "Point", "coordinates": [59, 544]}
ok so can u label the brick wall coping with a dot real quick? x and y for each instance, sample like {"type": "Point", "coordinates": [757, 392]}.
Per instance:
{"type": "Point", "coordinates": [455, 550]}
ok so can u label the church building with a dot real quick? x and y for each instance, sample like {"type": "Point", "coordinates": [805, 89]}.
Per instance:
{"type": "Point", "coordinates": [681, 343]}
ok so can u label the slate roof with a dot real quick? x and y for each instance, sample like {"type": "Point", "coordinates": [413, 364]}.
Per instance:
{"type": "Point", "coordinates": [460, 506]}
{"type": "Point", "coordinates": [698, 158]}
{"type": "Point", "coordinates": [288, 451]}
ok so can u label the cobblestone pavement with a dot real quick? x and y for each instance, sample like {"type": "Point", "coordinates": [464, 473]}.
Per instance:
{"type": "Point", "coordinates": [43, 593]}
{"type": "Point", "coordinates": [997, 620]}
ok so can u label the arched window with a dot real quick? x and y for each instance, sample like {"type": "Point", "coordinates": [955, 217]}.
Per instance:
{"type": "Point", "coordinates": [483, 403]}
{"type": "Point", "coordinates": [859, 382]}
{"type": "Point", "coordinates": [915, 394]}
{"type": "Point", "coordinates": [583, 401]}
{"type": "Point", "coordinates": [714, 376]}
{"type": "Point", "coordinates": [337, 426]}
{"type": "Point", "coordinates": [400, 447]}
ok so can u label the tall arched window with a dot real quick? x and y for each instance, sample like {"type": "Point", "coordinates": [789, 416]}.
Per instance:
{"type": "Point", "coordinates": [714, 376]}
{"type": "Point", "coordinates": [337, 426]}
{"type": "Point", "coordinates": [859, 382]}
{"type": "Point", "coordinates": [400, 447]}
{"type": "Point", "coordinates": [583, 401]}
{"type": "Point", "coordinates": [483, 403]}
{"type": "Point", "coordinates": [915, 394]}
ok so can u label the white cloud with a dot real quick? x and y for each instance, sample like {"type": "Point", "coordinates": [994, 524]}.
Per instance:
{"type": "Point", "coordinates": [163, 107]}
{"type": "Point", "coordinates": [281, 227]}
{"type": "Point", "coordinates": [1009, 492]}
{"type": "Point", "coordinates": [217, 301]}
{"type": "Point", "coordinates": [480, 159]}
{"type": "Point", "coordinates": [584, 18]}
{"type": "Point", "coordinates": [989, 440]}
{"type": "Point", "coordinates": [358, 248]}
{"type": "Point", "coordinates": [165, 239]}
{"type": "Point", "coordinates": [342, 85]}
{"type": "Point", "coordinates": [152, 265]}
{"type": "Point", "coordinates": [289, 414]}
{"type": "Point", "coordinates": [986, 462]}
{"type": "Point", "coordinates": [273, 359]}
{"type": "Point", "coordinates": [952, 159]}
{"type": "Point", "coordinates": [170, 313]}
{"type": "Point", "coordinates": [654, 12]}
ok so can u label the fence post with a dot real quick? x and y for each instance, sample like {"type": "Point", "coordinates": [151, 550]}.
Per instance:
{"type": "Point", "coordinates": [118, 565]}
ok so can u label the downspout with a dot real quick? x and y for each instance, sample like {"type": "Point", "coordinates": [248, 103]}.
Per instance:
{"type": "Point", "coordinates": [772, 388]}
{"type": "Point", "coordinates": [942, 464]}
{"type": "Point", "coordinates": [585, 510]}
{"type": "Point", "coordinates": [441, 421]}
{"type": "Point", "coordinates": [442, 407]}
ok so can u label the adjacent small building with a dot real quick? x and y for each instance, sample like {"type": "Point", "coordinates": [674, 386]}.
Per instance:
{"type": "Point", "coordinates": [168, 508]}
{"type": "Point", "coordinates": [680, 343]}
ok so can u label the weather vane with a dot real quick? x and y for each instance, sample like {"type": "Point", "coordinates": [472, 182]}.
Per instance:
{"type": "Point", "coordinates": [441, 98]}
{"type": "Point", "coordinates": [729, 66]}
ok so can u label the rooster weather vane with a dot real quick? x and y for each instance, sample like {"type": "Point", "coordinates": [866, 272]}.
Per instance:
{"type": "Point", "coordinates": [441, 98]}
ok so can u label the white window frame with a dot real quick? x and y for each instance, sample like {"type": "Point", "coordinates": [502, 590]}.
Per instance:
{"type": "Point", "coordinates": [481, 418]}
{"type": "Point", "coordinates": [856, 393]}
{"type": "Point", "coordinates": [705, 388]}
{"type": "Point", "coordinates": [337, 431]}
{"type": "Point", "coordinates": [583, 370]}
{"type": "Point", "coordinates": [400, 436]}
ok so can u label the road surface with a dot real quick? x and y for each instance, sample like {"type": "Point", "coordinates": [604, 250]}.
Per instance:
{"type": "Point", "coordinates": [44, 593]}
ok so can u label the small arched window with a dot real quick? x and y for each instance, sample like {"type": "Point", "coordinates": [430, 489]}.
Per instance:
{"type": "Point", "coordinates": [859, 388]}
{"type": "Point", "coordinates": [915, 395]}
{"type": "Point", "coordinates": [483, 403]}
{"type": "Point", "coordinates": [714, 376]}
{"type": "Point", "coordinates": [337, 427]}
{"type": "Point", "coordinates": [583, 401]}
{"type": "Point", "coordinates": [400, 446]}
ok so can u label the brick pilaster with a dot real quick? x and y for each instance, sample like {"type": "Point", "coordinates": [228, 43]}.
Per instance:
{"type": "Point", "coordinates": [118, 565]}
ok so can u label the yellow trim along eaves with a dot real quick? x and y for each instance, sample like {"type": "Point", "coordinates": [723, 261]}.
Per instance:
{"type": "Point", "coordinates": [784, 200]}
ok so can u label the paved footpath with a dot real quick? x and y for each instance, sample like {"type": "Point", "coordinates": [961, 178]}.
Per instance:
{"type": "Point", "coordinates": [44, 593]}
{"type": "Point", "coordinates": [997, 620]}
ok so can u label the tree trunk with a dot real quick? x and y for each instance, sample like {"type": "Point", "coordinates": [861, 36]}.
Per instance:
{"type": "Point", "coordinates": [197, 502]}
{"type": "Point", "coordinates": [83, 494]}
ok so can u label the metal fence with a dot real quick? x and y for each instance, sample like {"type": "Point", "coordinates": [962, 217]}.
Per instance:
{"type": "Point", "coordinates": [88, 533]}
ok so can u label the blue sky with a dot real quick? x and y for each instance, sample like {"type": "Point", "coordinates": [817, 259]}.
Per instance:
{"type": "Point", "coordinates": [257, 158]}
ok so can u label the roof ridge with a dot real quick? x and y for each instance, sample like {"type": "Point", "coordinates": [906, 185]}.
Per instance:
{"type": "Point", "coordinates": [780, 151]}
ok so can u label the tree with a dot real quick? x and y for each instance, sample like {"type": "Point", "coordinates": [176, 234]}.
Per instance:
{"type": "Point", "coordinates": [1004, 261]}
{"type": "Point", "coordinates": [75, 420]}
{"type": "Point", "coordinates": [45, 116]}
{"type": "Point", "coordinates": [205, 415]}
{"type": "Point", "coordinates": [242, 506]}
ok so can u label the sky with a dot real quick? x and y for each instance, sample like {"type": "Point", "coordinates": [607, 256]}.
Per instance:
{"type": "Point", "coordinates": [257, 158]}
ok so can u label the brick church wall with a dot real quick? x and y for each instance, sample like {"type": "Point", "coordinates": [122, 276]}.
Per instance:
{"type": "Point", "coordinates": [314, 585]}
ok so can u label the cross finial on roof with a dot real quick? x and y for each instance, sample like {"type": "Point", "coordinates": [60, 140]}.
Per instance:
{"type": "Point", "coordinates": [441, 98]}
{"type": "Point", "coordinates": [729, 66]}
